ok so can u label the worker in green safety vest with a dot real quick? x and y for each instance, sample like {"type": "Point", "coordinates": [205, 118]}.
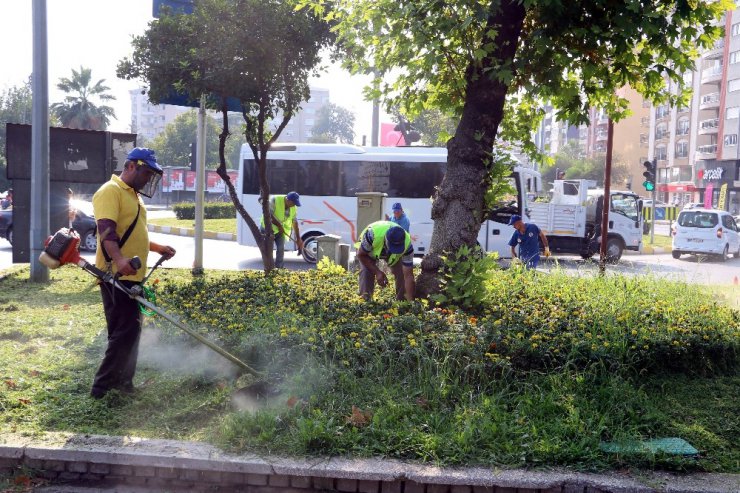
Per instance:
{"type": "Point", "coordinates": [385, 240]}
{"type": "Point", "coordinates": [283, 212]}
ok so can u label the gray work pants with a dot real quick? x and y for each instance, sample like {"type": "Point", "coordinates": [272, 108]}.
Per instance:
{"type": "Point", "coordinates": [367, 281]}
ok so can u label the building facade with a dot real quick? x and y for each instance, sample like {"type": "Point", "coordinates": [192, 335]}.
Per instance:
{"type": "Point", "coordinates": [300, 127]}
{"type": "Point", "coordinates": [697, 146]}
{"type": "Point", "coordinates": [148, 120]}
{"type": "Point", "coordinates": [630, 145]}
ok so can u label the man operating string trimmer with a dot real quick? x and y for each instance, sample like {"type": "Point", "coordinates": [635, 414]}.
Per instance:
{"type": "Point", "coordinates": [121, 220]}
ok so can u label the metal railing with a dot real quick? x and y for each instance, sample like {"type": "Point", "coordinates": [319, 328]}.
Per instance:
{"type": "Point", "coordinates": [709, 124]}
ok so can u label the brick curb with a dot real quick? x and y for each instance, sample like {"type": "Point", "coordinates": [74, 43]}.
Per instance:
{"type": "Point", "coordinates": [154, 463]}
{"type": "Point", "coordinates": [171, 230]}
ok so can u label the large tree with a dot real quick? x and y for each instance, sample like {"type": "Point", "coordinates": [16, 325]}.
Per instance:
{"type": "Point", "coordinates": [482, 59]}
{"type": "Point", "coordinates": [173, 145]}
{"type": "Point", "coordinates": [434, 126]}
{"type": "Point", "coordinates": [15, 107]}
{"type": "Point", "coordinates": [79, 109]}
{"type": "Point", "coordinates": [333, 123]}
{"type": "Point", "coordinates": [260, 53]}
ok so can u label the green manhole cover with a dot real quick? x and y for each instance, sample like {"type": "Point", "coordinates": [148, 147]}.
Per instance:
{"type": "Point", "coordinates": [673, 446]}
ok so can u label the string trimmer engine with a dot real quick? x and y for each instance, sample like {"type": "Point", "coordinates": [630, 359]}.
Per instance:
{"type": "Point", "coordinates": [63, 247]}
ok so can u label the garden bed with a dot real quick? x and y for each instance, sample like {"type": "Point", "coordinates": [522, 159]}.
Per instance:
{"type": "Point", "coordinates": [549, 369]}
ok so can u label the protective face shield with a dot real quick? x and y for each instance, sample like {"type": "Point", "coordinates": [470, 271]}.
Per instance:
{"type": "Point", "coordinates": [149, 187]}
{"type": "Point", "coordinates": [148, 171]}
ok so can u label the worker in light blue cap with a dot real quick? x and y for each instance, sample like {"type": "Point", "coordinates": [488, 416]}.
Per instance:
{"type": "Point", "coordinates": [399, 217]}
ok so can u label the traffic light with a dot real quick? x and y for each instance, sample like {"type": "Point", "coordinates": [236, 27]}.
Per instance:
{"type": "Point", "coordinates": [193, 156]}
{"type": "Point", "coordinates": [649, 174]}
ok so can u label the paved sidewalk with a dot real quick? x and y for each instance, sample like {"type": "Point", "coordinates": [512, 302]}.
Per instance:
{"type": "Point", "coordinates": [149, 465]}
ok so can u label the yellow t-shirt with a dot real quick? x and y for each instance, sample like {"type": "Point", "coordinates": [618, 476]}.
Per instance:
{"type": "Point", "coordinates": [119, 202]}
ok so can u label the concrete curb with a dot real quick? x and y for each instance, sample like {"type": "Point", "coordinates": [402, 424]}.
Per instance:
{"type": "Point", "coordinates": [155, 463]}
{"type": "Point", "coordinates": [171, 230]}
{"type": "Point", "coordinates": [650, 250]}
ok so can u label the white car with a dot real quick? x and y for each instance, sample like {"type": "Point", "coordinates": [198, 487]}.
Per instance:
{"type": "Point", "coordinates": [706, 231]}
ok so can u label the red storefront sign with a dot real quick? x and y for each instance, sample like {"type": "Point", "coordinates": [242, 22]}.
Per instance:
{"type": "Point", "coordinates": [676, 188]}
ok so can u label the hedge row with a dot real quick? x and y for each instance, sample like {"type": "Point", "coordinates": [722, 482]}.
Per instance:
{"type": "Point", "coordinates": [211, 210]}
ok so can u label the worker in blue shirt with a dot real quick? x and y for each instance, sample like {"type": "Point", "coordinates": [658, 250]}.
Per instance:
{"type": "Point", "coordinates": [527, 237]}
{"type": "Point", "coordinates": [399, 217]}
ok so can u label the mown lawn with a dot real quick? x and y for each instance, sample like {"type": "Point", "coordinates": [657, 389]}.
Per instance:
{"type": "Point", "coordinates": [215, 225]}
{"type": "Point", "coordinates": [548, 368]}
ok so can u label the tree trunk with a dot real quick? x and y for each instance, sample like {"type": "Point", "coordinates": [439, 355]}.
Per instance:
{"type": "Point", "coordinates": [264, 242]}
{"type": "Point", "coordinates": [458, 209]}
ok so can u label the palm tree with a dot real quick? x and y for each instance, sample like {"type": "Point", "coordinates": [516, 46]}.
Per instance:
{"type": "Point", "coordinates": [77, 110]}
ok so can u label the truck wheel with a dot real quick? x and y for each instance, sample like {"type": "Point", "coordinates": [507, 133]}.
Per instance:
{"type": "Point", "coordinates": [676, 254]}
{"type": "Point", "coordinates": [614, 250]}
{"type": "Point", "coordinates": [587, 255]}
{"type": "Point", "coordinates": [645, 228]}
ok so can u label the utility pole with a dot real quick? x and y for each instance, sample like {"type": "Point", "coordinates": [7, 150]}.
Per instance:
{"type": "Point", "coordinates": [607, 198]}
{"type": "Point", "coordinates": [200, 176]}
{"type": "Point", "coordinates": [39, 228]}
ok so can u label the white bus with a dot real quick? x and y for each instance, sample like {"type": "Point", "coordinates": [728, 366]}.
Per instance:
{"type": "Point", "coordinates": [327, 177]}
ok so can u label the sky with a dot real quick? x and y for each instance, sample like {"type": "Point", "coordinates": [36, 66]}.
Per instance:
{"type": "Point", "coordinates": [96, 34]}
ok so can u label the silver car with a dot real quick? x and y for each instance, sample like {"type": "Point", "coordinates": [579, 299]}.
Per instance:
{"type": "Point", "coordinates": [706, 231]}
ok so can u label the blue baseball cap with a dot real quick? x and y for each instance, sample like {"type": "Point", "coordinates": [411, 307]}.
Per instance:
{"type": "Point", "coordinates": [395, 239]}
{"type": "Point", "coordinates": [397, 207]}
{"type": "Point", "coordinates": [145, 155]}
{"type": "Point", "coordinates": [294, 197]}
{"type": "Point", "coordinates": [514, 218]}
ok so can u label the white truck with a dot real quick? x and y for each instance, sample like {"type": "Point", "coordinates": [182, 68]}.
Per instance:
{"type": "Point", "coordinates": [571, 220]}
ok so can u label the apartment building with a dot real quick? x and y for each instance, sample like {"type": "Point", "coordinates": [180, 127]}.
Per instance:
{"type": "Point", "coordinates": [630, 137]}
{"type": "Point", "coordinates": [148, 120]}
{"type": "Point", "coordinates": [300, 127]}
{"type": "Point", "coordinates": [697, 146]}
{"type": "Point", "coordinates": [627, 147]}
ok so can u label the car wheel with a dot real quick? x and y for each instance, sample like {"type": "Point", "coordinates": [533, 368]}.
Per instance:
{"type": "Point", "coordinates": [737, 254]}
{"type": "Point", "coordinates": [725, 253]}
{"type": "Point", "coordinates": [613, 250]}
{"type": "Point", "coordinates": [587, 255]}
{"type": "Point", "coordinates": [310, 250]}
{"type": "Point", "coordinates": [89, 241]}
{"type": "Point", "coordinates": [676, 254]}
{"type": "Point", "coordinates": [10, 235]}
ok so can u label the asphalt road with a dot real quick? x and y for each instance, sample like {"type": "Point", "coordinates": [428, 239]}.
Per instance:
{"type": "Point", "coordinates": [227, 255]}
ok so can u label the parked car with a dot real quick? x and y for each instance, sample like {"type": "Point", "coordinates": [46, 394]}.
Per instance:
{"type": "Point", "coordinates": [706, 231]}
{"type": "Point", "coordinates": [6, 224]}
{"type": "Point", "coordinates": [83, 222]}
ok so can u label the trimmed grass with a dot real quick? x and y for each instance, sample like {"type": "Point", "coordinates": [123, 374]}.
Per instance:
{"type": "Point", "coordinates": [520, 383]}
{"type": "Point", "coordinates": [658, 241]}
{"type": "Point", "coordinates": [215, 225]}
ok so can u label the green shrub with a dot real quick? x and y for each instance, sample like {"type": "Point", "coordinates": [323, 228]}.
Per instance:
{"type": "Point", "coordinates": [211, 210]}
{"type": "Point", "coordinates": [464, 277]}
